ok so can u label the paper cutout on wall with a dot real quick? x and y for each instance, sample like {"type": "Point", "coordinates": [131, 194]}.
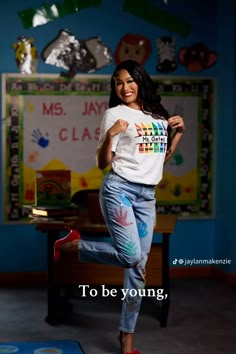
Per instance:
{"type": "Point", "coordinates": [26, 55]}
{"type": "Point", "coordinates": [133, 46]}
{"type": "Point", "coordinates": [197, 57]}
{"type": "Point", "coordinates": [166, 54]}
{"type": "Point", "coordinates": [35, 17]}
{"type": "Point", "coordinates": [72, 54]}
{"type": "Point", "coordinates": [160, 18]}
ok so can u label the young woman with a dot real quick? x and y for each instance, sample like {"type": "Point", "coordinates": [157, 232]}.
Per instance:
{"type": "Point", "coordinates": [137, 137]}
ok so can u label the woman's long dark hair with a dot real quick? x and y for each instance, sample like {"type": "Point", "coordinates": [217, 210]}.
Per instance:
{"type": "Point", "coordinates": [146, 89]}
{"type": "Point", "coordinates": [151, 102]}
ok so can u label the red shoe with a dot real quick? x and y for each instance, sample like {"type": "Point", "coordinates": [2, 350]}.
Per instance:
{"type": "Point", "coordinates": [120, 339]}
{"type": "Point", "coordinates": [72, 236]}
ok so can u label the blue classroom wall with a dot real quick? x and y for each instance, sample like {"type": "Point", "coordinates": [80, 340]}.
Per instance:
{"type": "Point", "coordinates": [225, 230]}
{"type": "Point", "coordinates": [22, 247]}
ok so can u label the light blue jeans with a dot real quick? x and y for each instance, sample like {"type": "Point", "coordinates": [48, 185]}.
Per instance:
{"type": "Point", "coordinates": [129, 212]}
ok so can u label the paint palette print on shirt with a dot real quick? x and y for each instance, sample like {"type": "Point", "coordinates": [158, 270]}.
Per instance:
{"type": "Point", "coordinates": [151, 137]}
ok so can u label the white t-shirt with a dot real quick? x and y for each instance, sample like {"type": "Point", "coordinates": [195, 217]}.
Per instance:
{"type": "Point", "coordinates": [140, 151]}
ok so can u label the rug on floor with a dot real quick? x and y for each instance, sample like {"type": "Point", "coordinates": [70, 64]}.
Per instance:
{"type": "Point", "coordinates": [44, 347]}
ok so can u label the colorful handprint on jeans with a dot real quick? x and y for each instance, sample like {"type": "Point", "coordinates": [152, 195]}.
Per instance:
{"type": "Point", "coordinates": [130, 248]}
{"type": "Point", "coordinates": [125, 200]}
{"type": "Point", "coordinates": [121, 217]}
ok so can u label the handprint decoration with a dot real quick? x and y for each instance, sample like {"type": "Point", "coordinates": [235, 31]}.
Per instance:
{"type": "Point", "coordinates": [39, 139]}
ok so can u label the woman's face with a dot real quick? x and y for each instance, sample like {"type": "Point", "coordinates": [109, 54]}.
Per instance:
{"type": "Point", "coordinates": [127, 89]}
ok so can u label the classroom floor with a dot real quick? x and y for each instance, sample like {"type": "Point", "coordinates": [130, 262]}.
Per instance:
{"type": "Point", "coordinates": [202, 320]}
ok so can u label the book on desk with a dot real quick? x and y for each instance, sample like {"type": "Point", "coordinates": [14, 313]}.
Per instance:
{"type": "Point", "coordinates": [53, 211]}
{"type": "Point", "coordinates": [49, 214]}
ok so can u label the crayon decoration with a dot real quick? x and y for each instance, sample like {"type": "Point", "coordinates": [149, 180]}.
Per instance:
{"type": "Point", "coordinates": [162, 132]}
{"type": "Point", "coordinates": [155, 130]}
{"type": "Point", "coordinates": [139, 134]}
{"type": "Point", "coordinates": [144, 129]}
{"type": "Point", "coordinates": [152, 14]}
{"type": "Point", "coordinates": [33, 17]}
{"type": "Point", "coordinates": [150, 133]}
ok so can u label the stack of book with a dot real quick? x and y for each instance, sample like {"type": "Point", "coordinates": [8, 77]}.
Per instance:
{"type": "Point", "coordinates": [53, 214]}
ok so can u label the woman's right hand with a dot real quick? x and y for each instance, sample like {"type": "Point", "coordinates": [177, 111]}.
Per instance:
{"type": "Point", "coordinates": [105, 154]}
{"type": "Point", "coordinates": [118, 127]}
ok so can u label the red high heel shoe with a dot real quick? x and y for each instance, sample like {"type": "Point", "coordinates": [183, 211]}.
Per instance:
{"type": "Point", "coordinates": [120, 339]}
{"type": "Point", "coordinates": [72, 236]}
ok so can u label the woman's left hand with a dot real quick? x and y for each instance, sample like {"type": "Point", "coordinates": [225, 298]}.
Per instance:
{"type": "Point", "coordinates": [177, 122]}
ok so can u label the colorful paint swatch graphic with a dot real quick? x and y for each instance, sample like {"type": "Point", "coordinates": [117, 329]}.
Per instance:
{"type": "Point", "coordinates": [151, 138]}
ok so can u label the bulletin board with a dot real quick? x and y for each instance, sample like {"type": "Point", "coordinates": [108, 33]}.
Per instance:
{"type": "Point", "coordinates": [50, 123]}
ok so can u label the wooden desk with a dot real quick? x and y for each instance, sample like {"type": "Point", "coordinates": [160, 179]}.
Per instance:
{"type": "Point", "coordinates": [95, 273]}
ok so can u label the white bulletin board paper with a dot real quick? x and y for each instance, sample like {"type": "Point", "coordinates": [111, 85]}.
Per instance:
{"type": "Point", "coordinates": [51, 124]}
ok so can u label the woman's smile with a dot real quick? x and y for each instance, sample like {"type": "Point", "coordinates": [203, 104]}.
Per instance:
{"type": "Point", "coordinates": [127, 89]}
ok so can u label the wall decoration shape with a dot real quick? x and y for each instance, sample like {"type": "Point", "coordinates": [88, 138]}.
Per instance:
{"type": "Point", "coordinates": [197, 57]}
{"type": "Point", "coordinates": [134, 47]}
{"type": "Point", "coordinates": [53, 124]}
{"type": "Point", "coordinates": [160, 18]}
{"type": "Point", "coordinates": [26, 55]}
{"type": "Point", "coordinates": [73, 54]}
{"type": "Point", "coordinates": [166, 54]}
{"type": "Point", "coordinates": [49, 12]}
